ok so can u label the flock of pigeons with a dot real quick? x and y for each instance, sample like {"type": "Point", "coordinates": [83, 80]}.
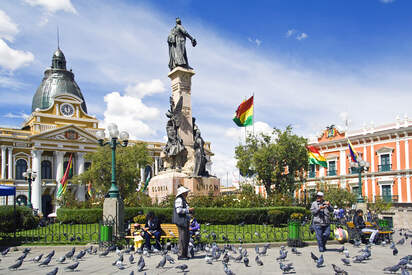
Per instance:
{"type": "Point", "coordinates": [226, 254]}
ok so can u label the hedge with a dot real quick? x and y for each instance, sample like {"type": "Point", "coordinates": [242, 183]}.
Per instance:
{"type": "Point", "coordinates": [272, 215]}
{"type": "Point", "coordinates": [24, 218]}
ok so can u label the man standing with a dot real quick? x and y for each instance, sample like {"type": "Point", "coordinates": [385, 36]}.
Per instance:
{"type": "Point", "coordinates": [321, 211]}
{"type": "Point", "coordinates": [181, 218]}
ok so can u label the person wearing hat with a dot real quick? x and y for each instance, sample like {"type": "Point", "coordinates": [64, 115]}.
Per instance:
{"type": "Point", "coordinates": [321, 211]}
{"type": "Point", "coordinates": [181, 218]}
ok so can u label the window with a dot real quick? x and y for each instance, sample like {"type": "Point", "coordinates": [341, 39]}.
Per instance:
{"type": "Point", "coordinates": [87, 166]}
{"type": "Point", "coordinates": [21, 167]}
{"type": "Point", "coordinates": [385, 163]}
{"type": "Point", "coordinates": [65, 167]}
{"type": "Point", "coordinates": [312, 170]}
{"type": "Point", "coordinates": [332, 168]}
{"type": "Point", "coordinates": [21, 200]}
{"type": "Point", "coordinates": [355, 189]}
{"type": "Point", "coordinates": [46, 172]}
{"type": "Point", "coordinates": [386, 193]}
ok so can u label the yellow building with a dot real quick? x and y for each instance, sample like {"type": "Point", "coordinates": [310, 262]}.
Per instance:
{"type": "Point", "coordinates": [58, 127]}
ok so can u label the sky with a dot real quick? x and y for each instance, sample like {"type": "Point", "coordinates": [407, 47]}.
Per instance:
{"type": "Point", "coordinates": [309, 63]}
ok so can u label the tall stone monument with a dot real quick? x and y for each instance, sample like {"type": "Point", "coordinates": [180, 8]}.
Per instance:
{"type": "Point", "coordinates": [183, 156]}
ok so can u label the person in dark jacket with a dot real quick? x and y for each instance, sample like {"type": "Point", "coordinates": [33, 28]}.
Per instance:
{"type": "Point", "coordinates": [181, 218]}
{"type": "Point", "coordinates": [359, 223]}
{"type": "Point", "coordinates": [321, 211]}
{"type": "Point", "coordinates": [152, 229]}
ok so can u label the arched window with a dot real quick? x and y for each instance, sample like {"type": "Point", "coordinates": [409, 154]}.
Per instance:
{"type": "Point", "coordinates": [46, 172]}
{"type": "Point", "coordinates": [65, 167]}
{"type": "Point", "coordinates": [87, 166]}
{"type": "Point", "coordinates": [21, 200]}
{"type": "Point", "coordinates": [21, 167]}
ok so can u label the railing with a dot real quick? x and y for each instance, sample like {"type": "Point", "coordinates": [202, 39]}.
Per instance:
{"type": "Point", "coordinates": [331, 173]}
{"type": "Point", "coordinates": [385, 167]}
{"type": "Point", "coordinates": [312, 174]}
{"type": "Point", "coordinates": [388, 198]}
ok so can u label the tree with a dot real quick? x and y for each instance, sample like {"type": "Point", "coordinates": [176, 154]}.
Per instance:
{"type": "Point", "coordinates": [128, 161]}
{"type": "Point", "coordinates": [277, 160]}
{"type": "Point", "coordinates": [340, 197]}
{"type": "Point", "coordinates": [379, 206]}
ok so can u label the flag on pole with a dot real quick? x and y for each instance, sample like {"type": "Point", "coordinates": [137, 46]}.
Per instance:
{"type": "Point", "coordinates": [244, 113]}
{"type": "Point", "coordinates": [147, 176]}
{"type": "Point", "coordinates": [89, 189]}
{"type": "Point", "coordinates": [67, 174]}
{"type": "Point", "coordinates": [315, 157]}
{"type": "Point", "coordinates": [353, 153]}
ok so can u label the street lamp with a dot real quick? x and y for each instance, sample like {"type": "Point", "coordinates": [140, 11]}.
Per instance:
{"type": "Point", "coordinates": [114, 135]}
{"type": "Point", "coordinates": [359, 167]}
{"type": "Point", "coordinates": [30, 176]}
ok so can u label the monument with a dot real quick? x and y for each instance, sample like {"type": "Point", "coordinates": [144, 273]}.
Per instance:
{"type": "Point", "coordinates": [184, 158]}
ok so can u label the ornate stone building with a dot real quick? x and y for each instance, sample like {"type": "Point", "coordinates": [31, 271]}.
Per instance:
{"type": "Point", "coordinates": [58, 126]}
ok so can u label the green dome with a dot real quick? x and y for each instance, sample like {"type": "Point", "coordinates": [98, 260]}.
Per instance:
{"type": "Point", "coordinates": [57, 80]}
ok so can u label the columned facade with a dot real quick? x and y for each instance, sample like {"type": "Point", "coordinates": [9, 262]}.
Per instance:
{"type": "Point", "coordinates": [36, 185]}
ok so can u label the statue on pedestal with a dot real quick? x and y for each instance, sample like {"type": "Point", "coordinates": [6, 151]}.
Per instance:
{"type": "Point", "coordinates": [175, 151]}
{"type": "Point", "coordinates": [200, 155]}
{"type": "Point", "coordinates": [177, 46]}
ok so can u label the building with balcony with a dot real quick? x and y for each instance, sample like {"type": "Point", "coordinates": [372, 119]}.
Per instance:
{"type": "Point", "coordinates": [58, 127]}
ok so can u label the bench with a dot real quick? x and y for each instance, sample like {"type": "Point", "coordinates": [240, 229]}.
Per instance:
{"type": "Point", "coordinates": [169, 231]}
{"type": "Point", "coordinates": [355, 233]}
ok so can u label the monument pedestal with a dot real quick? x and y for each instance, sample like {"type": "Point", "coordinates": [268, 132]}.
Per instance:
{"type": "Point", "coordinates": [113, 211]}
{"type": "Point", "coordinates": [166, 184]}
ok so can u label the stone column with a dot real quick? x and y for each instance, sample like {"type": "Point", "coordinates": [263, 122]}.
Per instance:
{"type": "Point", "coordinates": [156, 166]}
{"type": "Point", "coordinates": [81, 191]}
{"type": "Point", "coordinates": [398, 167]}
{"type": "Point", "coordinates": [10, 151]}
{"type": "Point", "coordinates": [58, 155]}
{"type": "Point", "coordinates": [3, 162]}
{"type": "Point", "coordinates": [36, 184]}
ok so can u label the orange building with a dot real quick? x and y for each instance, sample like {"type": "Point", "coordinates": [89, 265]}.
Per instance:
{"type": "Point", "coordinates": [386, 148]}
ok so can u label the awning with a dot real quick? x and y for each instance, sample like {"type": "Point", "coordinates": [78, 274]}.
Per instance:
{"type": "Point", "coordinates": [7, 190]}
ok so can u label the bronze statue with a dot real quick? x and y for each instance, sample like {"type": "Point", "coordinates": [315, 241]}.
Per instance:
{"type": "Point", "coordinates": [174, 150]}
{"type": "Point", "coordinates": [177, 46]}
{"type": "Point", "coordinates": [200, 155]}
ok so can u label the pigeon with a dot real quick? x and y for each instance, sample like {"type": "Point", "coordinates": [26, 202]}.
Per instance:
{"type": "Point", "coordinates": [238, 259]}
{"type": "Point", "coordinates": [51, 254]}
{"type": "Point", "coordinates": [131, 273]}
{"type": "Point", "coordinates": [282, 257]}
{"type": "Point", "coordinates": [104, 253]}
{"type": "Point", "coordinates": [170, 259]}
{"type": "Point", "coordinates": [61, 260]}
{"type": "Point", "coordinates": [37, 258]}
{"type": "Point", "coordinates": [401, 241]}
{"type": "Point", "coordinates": [191, 251]}
{"type": "Point", "coordinates": [27, 250]}
{"type": "Point", "coordinates": [22, 257]}
{"type": "Point", "coordinates": [320, 261]}
{"type": "Point", "coordinates": [258, 261]}
{"type": "Point", "coordinates": [345, 261]}
{"type": "Point", "coordinates": [70, 253]}
{"type": "Point", "coordinates": [392, 246]}
{"type": "Point", "coordinates": [131, 259]}
{"type": "Point", "coordinates": [358, 259]}
{"type": "Point", "coordinates": [246, 261]}
{"type": "Point", "coordinates": [16, 265]}
{"type": "Point", "coordinates": [264, 251]}
{"type": "Point", "coordinates": [286, 268]}
{"type": "Point", "coordinates": [346, 252]}
{"type": "Point", "coordinates": [162, 262]}
{"type": "Point", "coordinates": [340, 250]}
{"type": "Point", "coordinates": [208, 259]}
{"type": "Point", "coordinates": [227, 270]}
{"type": "Point", "coordinates": [119, 265]}
{"type": "Point", "coordinates": [53, 272]}
{"type": "Point", "coordinates": [392, 269]}
{"type": "Point", "coordinates": [395, 251]}
{"type": "Point", "coordinates": [338, 270]}
{"type": "Point", "coordinates": [72, 267]}
{"type": "Point", "coordinates": [94, 252]}
{"type": "Point", "coordinates": [45, 262]}
{"type": "Point", "coordinates": [225, 259]}
{"type": "Point", "coordinates": [5, 251]}
{"type": "Point", "coordinates": [182, 267]}
{"type": "Point", "coordinates": [404, 271]}
{"type": "Point", "coordinates": [314, 257]}
{"type": "Point", "coordinates": [357, 243]}
{"type": "Point", "coordinates": [140, 264]}
{"type": "Point", "coordinates": [295, 251]}
{"type": "Point", "coordinates": [80, 255]}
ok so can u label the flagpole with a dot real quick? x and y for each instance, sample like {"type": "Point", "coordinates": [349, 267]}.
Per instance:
{"type": "Point", "coordinates": [253, 94]}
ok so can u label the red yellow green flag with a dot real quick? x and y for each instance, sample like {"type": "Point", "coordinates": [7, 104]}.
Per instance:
{"type": "Point", "coordinates": [244, 113]}
{"type": "Point", "coordinates": [63, 182]}
{"type": "Point", "coordinates": [315, 157]}
{"type": "Point", "coordinates": [89, 189]}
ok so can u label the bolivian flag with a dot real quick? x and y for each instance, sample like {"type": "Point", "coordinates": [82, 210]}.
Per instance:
{"type": "Point", "coordinates": [63, 182]}
{"type": "Point", "coordinates": [315, 157]}
{"type": "Point", "coordinates": [244, 113]}
{"type": "Point", "coordinates": [353, 153]}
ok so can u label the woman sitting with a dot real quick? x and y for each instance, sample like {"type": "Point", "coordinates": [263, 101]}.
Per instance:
{"type": "Point", "coordinates": [152, 229]}
{"type": "Point", "coordinates": [360, 224]}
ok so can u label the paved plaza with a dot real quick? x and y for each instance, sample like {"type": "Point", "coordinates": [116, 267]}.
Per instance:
{"type": "Point", "coordinates": [93, 264]}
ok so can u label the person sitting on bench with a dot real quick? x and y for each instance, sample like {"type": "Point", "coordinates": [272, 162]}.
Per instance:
{"type": "Point", "coordinates": [152, 228]}
{"type": "Point", "coordinates": [360, 225]}
{"type": "Point", "coordinates": [194, 227]}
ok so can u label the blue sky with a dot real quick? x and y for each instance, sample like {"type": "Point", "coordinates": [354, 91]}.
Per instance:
{"type": "Point", "coordinates": [309, 63]}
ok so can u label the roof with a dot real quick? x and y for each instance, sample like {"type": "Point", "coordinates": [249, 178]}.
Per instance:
{"type": "Point", "coordinates": [7, 190]}
{"type": "Point", "coordinates": [56, 81]}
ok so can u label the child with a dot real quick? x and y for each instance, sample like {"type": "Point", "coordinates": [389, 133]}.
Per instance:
{"type": "Point", "coordinates": [138, 239]}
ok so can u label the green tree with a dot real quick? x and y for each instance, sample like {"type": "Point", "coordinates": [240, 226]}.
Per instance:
{"type": "Point", "coordinates": [339, 197]}
{"type": "Point", "coordinates": [128, 161]}
{"type": "Point", "coordinates": [278, 159]}
{"type": "Point", "coordinates": [379, 206]}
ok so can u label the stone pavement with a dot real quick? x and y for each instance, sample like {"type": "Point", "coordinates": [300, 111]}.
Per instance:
{"type": "Point", "coordinates": [381, 257]}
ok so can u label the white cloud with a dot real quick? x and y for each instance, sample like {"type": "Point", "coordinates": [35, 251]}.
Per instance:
{"type": "Point", "coordinates": [20, 115]}
{"type": "Point", "coordinates": [53, 5]}
{"type": "Point", "coordinates": [290, 32]}
{"type": "Point", "coordinates": [8, 29]}
{"type": "Point", "coordinates": [143, 89]}
{"type": "Point", "coordinates": [11, 59]}
{"type": "Point", "coordinates": [255, 41]}
{"type": "Point", "coordinates": [301, 36]}
{"type": "Point", "coordinates": [387, 1]}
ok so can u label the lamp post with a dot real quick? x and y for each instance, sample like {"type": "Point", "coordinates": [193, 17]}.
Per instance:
{"type": "Point", "coordinates": [30, 176]}
{"type": "Point", "coordinates": [114, 137]}
{"type": "Point", "coordinates": [359, 167]}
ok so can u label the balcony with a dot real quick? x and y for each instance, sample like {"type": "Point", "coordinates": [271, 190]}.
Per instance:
{"type": "Point", "coordinates": [388, 198]}
{"type": "Point", "coordinates": [331, 173]}
{"type": "Point", "coordinates": [312, 174]}
{"type": "Point", "coordinates": [385, 167]}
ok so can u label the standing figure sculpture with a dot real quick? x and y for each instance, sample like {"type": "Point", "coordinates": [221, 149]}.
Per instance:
{"type": "Point", "coordinates": [200, 155]}
{"type": "Point", "coordinates": [177, 46]}
{"type": "Point", "coordinates": [174, 149]}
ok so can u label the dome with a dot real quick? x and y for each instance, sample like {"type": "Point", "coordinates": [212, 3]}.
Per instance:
{"type": "Point", "coordinates": [56, 81]}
